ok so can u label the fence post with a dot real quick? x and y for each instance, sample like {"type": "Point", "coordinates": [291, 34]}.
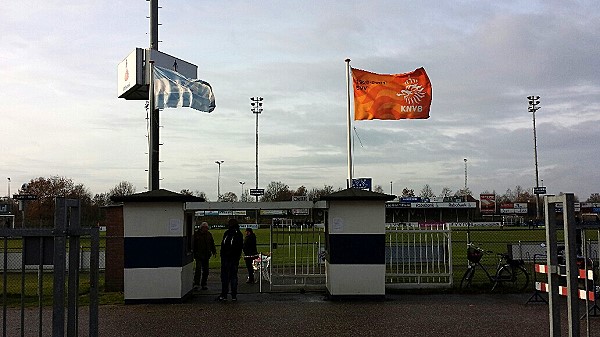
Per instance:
{"type": "Point", "coordinates": [60, 246]}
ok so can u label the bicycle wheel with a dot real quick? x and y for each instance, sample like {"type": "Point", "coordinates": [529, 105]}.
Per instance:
{"type": "Point", "coordinates": [516, 278]}
{"type": "Point", "coordinates": [521, 278]}
{"type": "Point", "coordinates": [467, 278]}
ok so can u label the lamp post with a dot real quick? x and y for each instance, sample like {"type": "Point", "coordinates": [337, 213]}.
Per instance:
{"type": "Point", "coordinates": [533, 107]}
{"type": "Point", "coordinates": [219, 162]}
{"type": "Point", "coordinates": [8, 188]}
{"type": "Point", "coordinates": [256, 109]}
{"type": "Point", "coordinates": [241, 195]}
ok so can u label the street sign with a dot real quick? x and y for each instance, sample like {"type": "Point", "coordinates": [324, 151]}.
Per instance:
{"type": "Point", "coordinates": [257, 191]}
{"type": "Point", "coordinates": [539, 190]}
{"type": "Point", "coordinates": [25, 196]}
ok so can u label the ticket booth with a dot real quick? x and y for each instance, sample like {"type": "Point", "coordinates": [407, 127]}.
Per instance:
{"type": "Point", "coordinates": [158, 259]}
{"type": "Point", "coordinates": [355, 238]}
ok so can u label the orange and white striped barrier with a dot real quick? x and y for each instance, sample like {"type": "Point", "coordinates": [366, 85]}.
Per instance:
{"type": "Point", "coordinates": [583, 274]}
{"type": "Point", "coordinates": [542, 286]}
{"type": "Point", "coordinates": [543, 269]}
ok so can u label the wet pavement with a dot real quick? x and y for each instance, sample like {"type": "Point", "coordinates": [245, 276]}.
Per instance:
{"type": "Point", "coordinates": [310, 314]}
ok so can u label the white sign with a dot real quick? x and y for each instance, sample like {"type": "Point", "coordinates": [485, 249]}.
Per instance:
{"type": "Point", "coordinates": [174, 225]}
{"type": "Point", "coordinates": [131, 76]}
{"type": "Point", "coordinates": [170, 62]}
{"type": "Point", "coordinates": [133, 73]}
{"type": "Point", "coordinates": [337, 226]}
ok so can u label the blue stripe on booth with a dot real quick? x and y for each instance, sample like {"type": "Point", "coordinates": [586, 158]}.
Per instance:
{"type": "Point", "coordinates": [155, 252]}
{"type": "Point", "coordinates": [356, 248]}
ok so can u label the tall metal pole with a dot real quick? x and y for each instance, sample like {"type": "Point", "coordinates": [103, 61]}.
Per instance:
{"type": "Point", "coordinates": [256, 109]}
{"type": "Point", "coordinates": [154, 24]}
{"type": "Point", "coordinates": [8, 189]}
{"type": "Point", "coordinates": [533, 107]}
{"type": "Point", "coordinates": [153, 137]}
{"type": "Point", "coordinates": [465, 175]}
{"type": "Point", "coordinates": [219, 162]}
{"type": "Point", "coordinates": [349, 125]}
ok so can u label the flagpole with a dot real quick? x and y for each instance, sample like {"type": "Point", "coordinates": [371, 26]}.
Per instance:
{"type": "Point", "coordinates": [349, 131]}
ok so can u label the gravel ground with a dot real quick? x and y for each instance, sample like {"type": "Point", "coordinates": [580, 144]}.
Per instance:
{"type": "Point", "coordinates": [309, 314]}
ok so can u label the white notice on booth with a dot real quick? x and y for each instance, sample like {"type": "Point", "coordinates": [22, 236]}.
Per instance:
{"type": "Point", "coordinates": [337, 226]}
{"type": "Point", "coordinates": [174, 225]}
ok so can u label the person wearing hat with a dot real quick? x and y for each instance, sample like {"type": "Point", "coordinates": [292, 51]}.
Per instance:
{"type": "Point", "coordinates": [250, 253]}
{"type": "Point", "coordinates": [204, 248]}
{"type": "Point", "coordinates": [231, 251]}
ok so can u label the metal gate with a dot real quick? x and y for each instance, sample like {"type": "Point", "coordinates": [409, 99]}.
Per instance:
{"type": "Point", "coordinates": [418, 256]}
{"type": "Point", "coordinates": [297, 259]}
{"type": "Point", "coordinates": [49, 259]}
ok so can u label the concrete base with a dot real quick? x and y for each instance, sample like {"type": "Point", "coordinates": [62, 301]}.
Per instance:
{"type": "Point", "coordinates": [355, 279]}
{"type": "Point", "coordinates": [158, 284]}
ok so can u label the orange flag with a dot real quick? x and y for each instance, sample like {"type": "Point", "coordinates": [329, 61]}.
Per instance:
{"type": "Point", "coordinates": [398, 96]}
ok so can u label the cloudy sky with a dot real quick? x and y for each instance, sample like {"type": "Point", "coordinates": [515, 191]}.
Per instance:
{"type": "Point", "coordinates": [60, 114]}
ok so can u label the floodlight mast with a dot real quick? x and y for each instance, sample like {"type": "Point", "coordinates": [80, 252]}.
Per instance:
{"type": "Point", "coordinates": [533, 107]}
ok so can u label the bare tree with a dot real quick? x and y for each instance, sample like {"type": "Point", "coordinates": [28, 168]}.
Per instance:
{"type": "Point", "coordinates": [317, 193]}
{"type": "Point", "coordinates": [427, 192]}
{"type": "Point", "coordinates": [594, 197]}
{"type": "Point", "coordinates": [446, 192]}
{"type": "Point", "coordinates": [121, 189]}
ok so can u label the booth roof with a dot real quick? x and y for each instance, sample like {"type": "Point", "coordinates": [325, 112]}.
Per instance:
{"type": "Point", "coordinates": [156, 196]}
{"type": "Point", "coordinates": [357, 194]}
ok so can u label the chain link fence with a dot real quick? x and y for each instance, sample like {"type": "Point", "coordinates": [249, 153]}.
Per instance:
{"type": "Point", "coordinates": [520, 242]}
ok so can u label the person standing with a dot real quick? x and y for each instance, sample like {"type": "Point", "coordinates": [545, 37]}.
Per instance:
{"type": "Point", "coordinates": [231, 251]}
{"type": "Point", "coordinates": [204, 248]}
{"type": "Point", "coordinates": [250, 253]}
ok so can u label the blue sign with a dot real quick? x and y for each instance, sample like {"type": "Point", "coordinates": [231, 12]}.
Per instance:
{"type": "Point", "coordinates": [362, 183]}
{"type": "Point", "coordinates": [411, 199]}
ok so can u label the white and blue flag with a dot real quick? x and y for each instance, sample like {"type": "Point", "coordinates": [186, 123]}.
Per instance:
{"type": "Point", "coordinates": [173, 90]}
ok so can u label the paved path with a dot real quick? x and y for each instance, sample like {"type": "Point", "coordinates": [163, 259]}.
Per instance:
{"type": "Point", "coordinates": [309, 314]}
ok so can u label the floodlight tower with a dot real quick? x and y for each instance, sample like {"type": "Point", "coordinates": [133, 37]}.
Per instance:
{"type": "Point", "coordinates": [533, 107]}
{"type": "Point", "coordinates": [465, 174]}
{"type": "Point", "coordinates": [256, 109]}
{"type": "Point", "coordinates": [219, 162]}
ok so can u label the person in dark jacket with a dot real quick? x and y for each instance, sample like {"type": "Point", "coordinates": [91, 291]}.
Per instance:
{"type": "Point", "coordinates": [250, 253]}
{"type": "Point", "coordinates": [231, 251]}
{"type": "Point", "coordinates": [204, 248]}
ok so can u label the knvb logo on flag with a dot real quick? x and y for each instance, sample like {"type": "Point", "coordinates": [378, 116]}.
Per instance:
{"type": "Point", "coordinates": [173, 90]}
{"type": "Point", "coordinates": [398, 96]}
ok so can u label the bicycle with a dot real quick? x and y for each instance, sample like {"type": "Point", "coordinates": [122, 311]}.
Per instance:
{"type": "Point", "coordinates": [509, 272]}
